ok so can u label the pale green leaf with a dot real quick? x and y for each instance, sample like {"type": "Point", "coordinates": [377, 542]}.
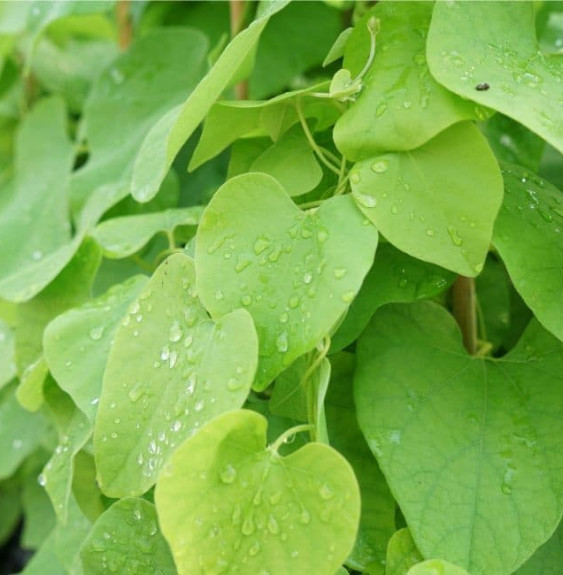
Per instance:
{"type": "Point", "coordinates": [447, 428]}
{"type": "Point", "coordinates": [122, 237]}
{"type": "Point", "coordinates": [161, 146]}
{"type": "Point", "coordinates": [437, 203]}
{"type": "Point", "coordinates": [394, 277]}
{"type": "Point", "coordinates": [7, 362]}
{"type": "Point", "coordinates": [402, 553]}
{"type": "Point", "coordinates": [377, 521]}
{"type": "Point", "coordinates": [163, 379]}
{"type": "Point", "coordinates": [77, 343]}
{"type": "Point", "coordinates": [261, 511]}
{"type": "Point", "coordinates": [296, 272]}
{"type": "Point", "coordinates": [126, 540]}
{"type": "Point", "coordinates": [400, 106]}
{"type": "Point", "coordinates": [338, 48]}
{"type": "Point", "coordinates": [45, 560]}
{"type": "Point", "coordinates": [472, 43]}
{"type": "Point", "coordinates": [528, 238]}
{"type": "Point", "coordinates": [435, 567]}
{"type": "Point", "coordinates": [30, 389]}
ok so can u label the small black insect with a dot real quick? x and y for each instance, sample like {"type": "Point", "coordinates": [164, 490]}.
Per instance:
{"type": "Point", "coordinates": [482, 87]}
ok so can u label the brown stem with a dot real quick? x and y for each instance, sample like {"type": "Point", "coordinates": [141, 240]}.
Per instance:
{"type": "Point", "coordinates": [124, 24]}
{"type": "Point", "coordinates": [465, 311]}
{"type": "Point", "coordinates": [237, 8]}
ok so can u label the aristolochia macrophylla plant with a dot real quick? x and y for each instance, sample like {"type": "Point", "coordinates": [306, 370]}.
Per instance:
{"type": "Point", "coordinates": [280, 287]}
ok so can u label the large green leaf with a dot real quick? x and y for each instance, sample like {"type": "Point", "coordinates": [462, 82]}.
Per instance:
{"type": "Point", "coordinates": [547, 559]}
{"type": "Point", "coordinates": [164, 141]}
{"type": "Point", "coordinates": [528, 239]}
{"type": "Point", "coordinates": [494, 43]}
{"type": "Point", "coordinates": [400, 106]}
{"type": "Point", "coordinates": [122, 237]}
{"type": "Point", "coordinates": [437, 203]}
{"type": "Point", "coordinates": [163, 379]}
{"type": "Point", "coordinates": [129, 98]}
{"type": "Point", "coordinates": [394, 277]}
{"type": "Point", "coordinates": [77, 343]}
{"type": "Point", "coordinates": [261, 513]}
{"type": "Point", "coordinates": [125, 539]}
{"type": "Point", "coordinates": [402, 553]}
{"type": "Point", "coordinates": [34, 224]}
{"type": "Point", "coordinates": [296, 272]}
{"type": "Point", "coordinates": [479, 438]}
{"type": "Point", "coordinates": [377, 521]}
{"type": "Point", "coordinates": [21, 432]}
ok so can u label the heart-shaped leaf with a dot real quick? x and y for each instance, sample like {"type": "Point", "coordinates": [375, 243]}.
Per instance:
{"type": "Point", "coordinates": [402, 553]}
{"type": "Point", "coordinates": [435, 567]}
{"type": "Point", "coordinates": [77, 343]}
{"type": "Point", "coordinates": [437, 203]}
{"type": "Point", "coordinates": [125, 539]}
{"type": "Point", "coordinates": [400, 106]}
{"type": "Point", "coordinates": [163, 380]}
{"type": "Point", "coordinates": [488, 52]}
{"type": "Point", "coordinates": [447, 427]}
{"type": "Point", "coordinates": [261, 512]}
{"type": "Point", "coordinates": [296, 272]}
{"type": "Point", "coordinates": [528, 239]}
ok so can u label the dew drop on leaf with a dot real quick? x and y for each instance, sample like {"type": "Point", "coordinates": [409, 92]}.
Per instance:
{"type": "Point", "coordinates": [229, 474]}
{"type": "Point", "coordinates": [380, 166]}
{"type": "Point", "coordinates": [366, 200]}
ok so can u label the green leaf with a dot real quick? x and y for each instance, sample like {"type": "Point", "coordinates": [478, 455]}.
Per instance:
{"type": "Point", "coordinates": [401, 106]}
{"type": "Point", "coordinates": [163, 380]}
{"type": "Point", "coordinates": [289, 397]}
{"type": "Point", "coordinates": [30, 390]}
{"type": "Point", "coordinates": [296, 272]}
{"type": "Point", "coordinates": [84, 486]}
{"type": "Point", "coordinates": [475, 43]}
{"type": "Point", "coordinates": [125, 539]}
{"type": "Point", "coordinates": [261, 511]}
{"type": "Point", "coordinates": [528, 238]}
{"type": "Point", "coordinates": [126, 103]}
{"type": "Point", "coordinates": [337, 50]}
{"type": "Point", "coordinates": [77, 343]}
{"type": "Point", "coordinates": [394, 277]}
{"type": "Point", "coordinates": [434, 566]}
{"type": "Point", "coordinates": [7, 363]}
{"type": "Point", "coordinates": [10, 508]}
{"type": "Point", "coordinates": [547, 559]}
{"type": "Point", "coordinates": [402, 553]}
{"type": "Point", "coordinates": [377, 521]}
{"type": "Point", "coordinates": [45, 560]}
{"type": "Point", "coordinates": [34, 224]}
{"type": "Point", "coordinates": [20, 432]}
{"type": "Point", "coordinates": [446, 427]}
{"type": "Point", "coordinates": [292, 162]}
{"type": "Point", "coordinates": [122, 237]}
{"type": "Point", "coordinates": [161, 145]}
{"type": "Point", "coordinates": [437, 203]}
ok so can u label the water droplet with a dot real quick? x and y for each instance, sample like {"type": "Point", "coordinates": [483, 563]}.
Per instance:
{"type": "Point", "coordinates": [308, 278]}
{"type": "Point", "coordinates": [117, 76]}
{"type": "Point", "coordinates": [229, 474]}
{"type": "Point", "coordinates": [284, 317]}
{"type": "Point", "coordinates": [365, 200]}
{"type": "Point", "coordinates": [456, 240]}
{"type": "Point", "coordinates": [506, 489]}
{"type": "Point", "coordinates": [339, 273]}
{"type": "Point", "coordinates": [305, 517]}
{"type": "Point", "coordinates": [282, 343]}
{"type": "Point", "coordinates": [242, 263]}
{"type": "Point", "coordinates": [173, 358]}
{"type": "Point", "coordinates": [380, 166]}
{"type": "Point", "coordinates": [246, 300]}
{"type": "Point", "coordinates": [37, 255]}
{"type": "Point", "coordinates": [407, 104]}
{"type": "Point", "coordinates": [326, 492]}
{"type": "Point", "coordinates": [17, 444]}
{"type": "Point", "coordinates": [254, 549]}
{"type": "Point", "coordinates": [175, 333]}
{"type": "Point", "coordinates": [403, 282]}
{"type": "Point", "coordinates": [394, 209]}
{"type": "Point", "coordinates": [275, 498]}
{"type": "Point", "coordinates": [199, 405]}
{"type": "Point", "coordinates": [322, 236]}
{"type": "Point", "coordinates": [478, 267]}
{"type": "Point", "coordinates": [248, 526]}
{"type": "Point", "coordinates": [347, 296]}
{"type": "Point", "coordinates": [293, 301]}
{"type": "Point", "coordinates": [355, 177]}
{"type": "Point", "coordinates": [430, 232]}
{"type": "Point", "coordinates": [42, 480]}
{"type": "Point", "coordinates": [219, 295]}
{"type": "Point", "coordinates": [380, 110]}
{"type": "Point", "coordinates": [261, 244]}
{"type": "Point", "coordinates": [273, 526]}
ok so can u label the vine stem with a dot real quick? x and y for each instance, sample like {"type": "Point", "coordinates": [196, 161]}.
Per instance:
{"type": "Point", "coordinates": [237, 8]}
{"type": "Point", "coordinates": [124, 24]}
{"type": "Point", "coordinates": [464, 309]}
{"type": "Point", "coordinates": [287, 434]}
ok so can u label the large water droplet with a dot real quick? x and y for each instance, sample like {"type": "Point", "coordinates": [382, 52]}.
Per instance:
{"type": "Point", "coordinates": [347, 296]}
{"type": "Point", "coordinates": [229, 474]}
{"type": "Point", "coordinates": [326, 492]}
{"type": "Point", "coordinates": [365, 200]}
{"type": "Point", "coordinates": [282, 343]}
{"type": "Point", "coordinates": [456, 240]}
{"type": "Point", "coordinates": [380, 166]}
{"type": "Point", "coordinates": [339, 273]}
{"type": "Point", "coordinates": [96, 333]}
{"type": "Point", "coordinates": [175, 333]}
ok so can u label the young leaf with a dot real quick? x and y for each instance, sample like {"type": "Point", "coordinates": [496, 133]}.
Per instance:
{"type": "Point", "coordinates": [296, 272]}
{"type": "Point", "coordinates": [401, 106]}
{"type": "Point", "coordinates": [338, 48]}
{"type": "Point", "coordinates": [161, 145]}
{"type": "Point", "coordinates": [125, 539]}
{"type": "Point", "coordinates": [471, 44]}
{"type": "Point", "coordinates": [437, 203]}
{"type": "Point", "coordinates": [402, 553]}
{"type": "Point", "coordinates": [122, 237]}
{"type": "Point", "coordinates": [77, 343]}
{"type": "Point", "coordinates": [163, 379]}
{"type": "Point", "coordinates": [528, 239]}
{"type": "Point", "coordinates": [446, 426]}
{"type": "Point", "coordinates": [394, 277]}
{"type": "Point", "coordinates": [261, 511]}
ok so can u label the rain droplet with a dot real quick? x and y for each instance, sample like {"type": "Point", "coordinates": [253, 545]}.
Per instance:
{"type": "Point", "coordinates": [219, 295]}
{"type": "Point", "coordinates": [347, 296]}
{"type": "Point", "coordinates": [339, 273]}
{"type": "Point", "coordinates": [42, 480]}
{"type": "Point", "coordinates": [242, 263]}
{"type": "Point", "coordinates": [229, 474]}
{"type": "Point", "coordinates": [246, 299]}
{"type": "Point", "coordinates": [234, 384]}
{"type": "Point", "coordinates": [248, 526]}
{"type": "Point", "coordinates": [380, 166]}
{"type": "Point", "coordinates": [199, 405]}
{"type": "Point", "coordinates": [430, 232]}
{"type": "Point", "coordinates": [326, 492]}
{"type": "Point", "coordinates": [282, 343]}
{"type": "Point", "coordinates": [261, 244]}
{"type": "Point", "coordinates": [456, 240]}
{"type": "Point", "coordinates": [254, 549]}
{"type": "Point", "coordinates": [305, 517]}
{"type": "Point", "coordinates": [355, 177]}
{"type": "Point", "coordinates": [37, 255]}
{"type": "Point", "coordinates": [365, 200]}
{"type": "Point", "coordinates": [175, 333]}
{"type": "Point", "coordinates": [273, 526]}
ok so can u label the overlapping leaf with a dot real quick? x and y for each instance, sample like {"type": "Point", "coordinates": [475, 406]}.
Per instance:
{"type": "Point", "coordinates": [296, 272]}
{"type": "Point", "coordinates": [480, 438]}
{"type": "Point", "coordinates": [163, 380]}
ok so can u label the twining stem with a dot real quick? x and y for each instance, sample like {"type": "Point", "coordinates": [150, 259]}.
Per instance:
{"type": "Point", "coordinates": [287, 434]}
{"type": "Point", "coordinates": [310, 389]}
{"type": "Point", "coordinates": [465, 311]}
{"type": "Point", "coordinates": [237, 8]}
{"type": "Point", "coordinates": [124, 23]}
{"type": "Point", "coordinates": [311, 140]}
